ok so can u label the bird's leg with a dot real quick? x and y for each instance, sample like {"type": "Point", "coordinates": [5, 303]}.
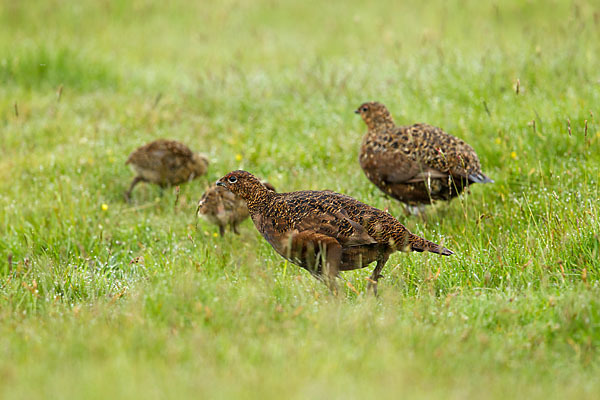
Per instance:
{"type": "Point", "coordinates": [135, 181]}
{"type": "Point", "coordinates": [381, 260]}
{"type": "Point", "coordinates": [221, 230]}
{"type": "Point", "coordinates": [332, 256]}
{"type": "Point", "coordinates": [235, 229]}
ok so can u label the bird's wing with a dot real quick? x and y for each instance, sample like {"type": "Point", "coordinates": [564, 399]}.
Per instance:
{"type": "Point", "coordinates": [439, 151]}
{"type": "Point", "coordinates": [391, 165]}
{"type": "Point", "coordinates": [160, 153]}
{"type": "Point", "coordinates": [338, 226]}
{"type": "Point", "coordinates": [175, 155]}
{"type": "Point", "coordinates": [178, 149]}
{"type": "Point", "coordinates": [426, 175]}
{"type": "Point", "coordinates": [144, 159]}
{"type": "Point", "coordinates": [324, 214]}
{"type": "Point", "coordinates": [395, 160]}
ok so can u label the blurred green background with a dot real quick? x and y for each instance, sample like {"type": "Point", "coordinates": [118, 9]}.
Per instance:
{"type": "Point", "coordinates": [108, 299]}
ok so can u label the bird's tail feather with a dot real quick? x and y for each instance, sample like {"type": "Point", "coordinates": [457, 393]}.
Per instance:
{"type": "Point", "coordinates": [480, 178]}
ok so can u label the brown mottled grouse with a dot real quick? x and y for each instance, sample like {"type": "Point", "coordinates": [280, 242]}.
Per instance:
{"type": "Point", "coordinates": [165, 163]}
{"type": "Point", "coordinates": [223, 208]}
{"type": "Point", "coordinates": [415, 164]}
{"type": "Point", "coordinates": [325, 232]}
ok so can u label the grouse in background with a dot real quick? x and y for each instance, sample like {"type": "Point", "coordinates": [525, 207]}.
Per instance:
{"type": "Point", "coordinates": [165, 163]}
{"type": "Point", "coordinates": [415, 164]}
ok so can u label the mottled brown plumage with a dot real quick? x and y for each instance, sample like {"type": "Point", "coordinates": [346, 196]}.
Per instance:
{"type": "Point", "coordinates": [165, 163]}
{"type": "Point", "coordinates": [223, 208]}
{"type": "Point", "coordinates": [415, 164]}
{"type": "Point", "coordinates": [322, 231]}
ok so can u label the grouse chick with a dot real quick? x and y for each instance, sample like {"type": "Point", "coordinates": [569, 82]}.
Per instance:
{"type": "Point", "coordinates": [415, 164]}
{"type": "Point", "coordinates": [325, 232]}
{"type": "Point", "coordinates": [223, 208]}
{"type": "Point", "coordinates": [165, 163]}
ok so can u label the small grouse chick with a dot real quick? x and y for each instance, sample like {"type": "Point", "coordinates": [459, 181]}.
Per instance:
{"type": "Point", "coordinates": [325, 232]}
{"type": "Point", "coordinates": [165, 163]}
{"type": "Point", "coordinates": [223, 208]}
{"type": "Point", "coordinates": [415, 164]}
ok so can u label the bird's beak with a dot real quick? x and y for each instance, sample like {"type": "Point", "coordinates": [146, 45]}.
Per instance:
{"type": "Point", "coordinates": [219, 183]}
{"type": "Point", "coordinates": [357, 111]}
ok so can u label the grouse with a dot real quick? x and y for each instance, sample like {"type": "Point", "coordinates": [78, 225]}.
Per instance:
{"type": "Point", "coordinates": [415, 164]}
{"type": "Point", "coordinates": [165, 162]}
{"type": "Point", "coordinates": [223, 208]}
{"type": "Point", "coordinates": [323, 231]}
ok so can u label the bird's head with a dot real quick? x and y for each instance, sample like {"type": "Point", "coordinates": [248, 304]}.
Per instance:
{"type": "Point", "coordinates": [243, 184]}
{"type": "Point", "coordinates": [375, 115]}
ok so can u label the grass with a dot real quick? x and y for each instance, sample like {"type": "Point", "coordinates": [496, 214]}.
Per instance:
{"type": "Point", "coordinates": [141, 300]}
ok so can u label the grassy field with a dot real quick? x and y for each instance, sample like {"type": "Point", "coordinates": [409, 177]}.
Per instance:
{"type": "Point", "coordinates": [105, 299]}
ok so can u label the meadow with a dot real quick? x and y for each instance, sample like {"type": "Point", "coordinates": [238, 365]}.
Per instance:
{"type": "Point", "coordinates": [100, 298]}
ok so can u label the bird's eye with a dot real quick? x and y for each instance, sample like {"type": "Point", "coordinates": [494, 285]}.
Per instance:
{"type": "Point", "coordinates": [364, 109]}
{"type": "Point", "coordinates": [232, 179]}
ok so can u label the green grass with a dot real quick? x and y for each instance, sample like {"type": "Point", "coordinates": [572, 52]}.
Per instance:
{"type": "Point", "coordinates": [141, 300]}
